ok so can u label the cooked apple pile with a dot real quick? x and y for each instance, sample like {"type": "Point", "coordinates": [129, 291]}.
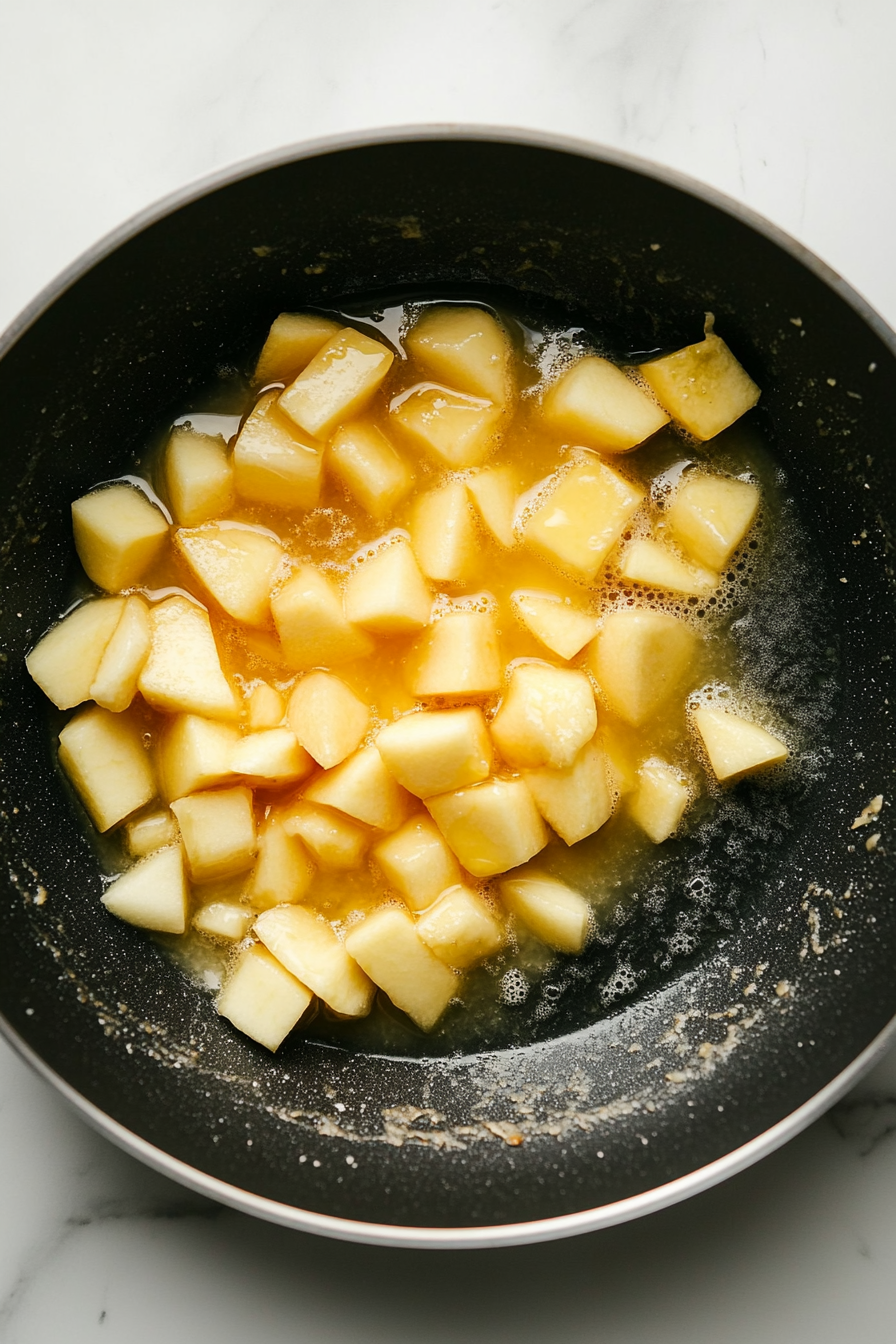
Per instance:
{"type": "Point", "coordinates": [352, 673]}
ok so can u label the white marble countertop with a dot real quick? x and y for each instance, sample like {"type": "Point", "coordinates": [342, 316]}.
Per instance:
{"type": "Point", "coordinates": [787, 105]}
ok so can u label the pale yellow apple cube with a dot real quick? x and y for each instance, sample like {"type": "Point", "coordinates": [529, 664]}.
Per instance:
{"type": "Point", "coordinates": [198, 476]}
{"type": "Point", "coordinates": [457, 431]}
{"type": "Point", "coordinates": [546, 716]}
{"type": "Point", "coordinates": [460, 928]}
{"type": "Point", "coordinates": [584, 515]}
{"type": "Point", "coordinates": [262, 999]}
{"type": "Point", "coordinates": [388, 948]}
{"type": "Point", "coordinates": [576, 801]}
{"type": "Point", "coordinates": [464, 347]}
{"type": "Point", "coordinates": [337, 383]}
{"type": "Point", "coordinates": [327, 718]}
{"type": "Point", "coordinates": [456, 657]}
{"type": "Point", "coordinates": [437, 750]}
{"type": "Point", "coordinates": [223, 919]}
{"type": "Point", "coordinates": [334, 840]}
{"type": "Point", "coordinates": [363, 459]}
{"type": "Point", "coordinates": [734, 745]}
{"type": "Point", "coordinates": [235, 564]}
{"type": "Point", "coordinates": [283, 872]}
{"type": "Point", "coordinates": [710, 516]}
{"type": "Point", "coordinates": [650, 562]}
{"type": "Point", "coordinates": [153, 894]}
{"type": "Point", "coordinates": [494, 492]}
{"type": "Point", "coordinates": [64, 663]}
{"type": "Point", "coordinates": [115, 683]}
{"type": "Point", "coordinates": [702, 386]}
{"type": "Point", "coordinates": [312, 624]}
{"type": "Point", "coordinates": [183, 672]}
{"type": "Point", "coordinates": [554, 912]}
{"type": "Point", "coordinates": [271, 758]}
{"type": "Point", "coordinates": [385, 591]}
{"type": "Point", "coordinates": [556, 622]}
{"type": "Point", "coordinates": [118, 533]}
{"type": "Point", "coordinates": [265, 707]}
{"type": "Point", "coordinates": [416, 862]}
{"type": "Point", "coordinates": [363, 789]}
{"type": "Point", "coordinates": [307, 946]}
{"type": "Point", "coordinates": [218, 830]}
{"type": "Point", "coordinates": [596, 404]}
{"type": "Point", "coordinates": [105, 759]}
{"type": "Point", "coordinates": [273, 463]}
{"type": "Point", "coordinates": [194, 753]}
{"type": "Point", "coordinates": [293, 340]}
{"type": "Point", "coordinates": [443, 534]}
{"type": "Point", "coordinates": [660, 800]}
{"type": "Point", "coordinates": [150, 831]}
{"type": "Point", "coordinates": [640, 658]}
{"type": "Point", "coordinates": [492, 826]}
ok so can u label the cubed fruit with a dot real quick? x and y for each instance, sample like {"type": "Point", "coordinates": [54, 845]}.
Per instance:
{"type": "Point", "coordinates": [494, 492]}
{"type": "Point", "coordinates": [640, 658]}
{"type": "Point", "coordinates": [327, 718]}
{"type": "Point", "coordinates": [388, 948]}
{"type": "Point", "coordinates": [416, 862]}
{"type": "Point", "coordinates": [464, 347]}
{"type": "Point", "coordinates": [622, 750]}
{"type": "Point", "coordinates": [118, 534]}
{"type": "Point", "coordinates": [337, 383]}
{"type": "Point", "coordinates": [293, 340]}
{"type": "Point", "coordinates": [735, 746]}
{"type": "Point", "coordinates": [363, 459]}
{"type": "Point", "coordinates": [223, 919]}
{"type": "Point", "coordinates": [334, 841]}
{"type": "Point", "coordinates": [559, 625]}
{"type": "Point", "coordinates": [576, 801]}
{"type": "Point", "coordinates": [457, 656]}
{"type": "Point", "coordinates": [596, 404]}
{"type": "Point", "coordinates": [262, 999]}
{"type": "Point", "coordinates": [283, 872]}
{"type": "Point", "coordinates": [460, 928]}
{"type": "Point", "coordinates": [385, 591]}
{"type": "Point", "coordinates": [650, 562]}
{"type": "Point", "coordinates": [457, 431]}
{"type": "Point", "coordinates": [443, 534]}
{"type": "Point", "coordinates": [660, 799]}
{"type": "Point", "coordinates": [198, 476]}
{"type": "Point", "coordinates": [235, 564]}
{"type": "Point", "coordinates": [115, 683]}
{"type": "Point", "coordinates": [710, 516]}
{"type": "Point", "coordinates": [362, 788]}
{"type": "Point", "coordinates": [271, 758]}
{"type": "Point", "coordinates": [273, 463]}
{"type": "Point", "coordinates": [195, 753]}
{"type": "Point", "coordinates": [265, 707]}
{"type": "Point", "coordinates": [153, 894]}
{"type": "Point", "coordinates": [183, 672]}
{"type": "Point", "coordinates": [583, 517]}
{"type": "Point", "coordinates": [702, 386]}
{"type": "Point", "coordinates": [546, 716]}
{"type": "Point", "coordinates": [312, 624]}
{"type": "Point", "coordinates": [492, 826]}
{"type": "Point", "coordinates": [150, 831]}
{"type": "Point", "coordinates": [218, 830]}
{"type": "Point", "coordinates": [65, 662]}
{"type": "Point", "coordinates": [306, 945]}
{"type": "Point", "coordinates": [105, 759]}
{"type": "Point", "coordinates": [554, 912]}
{"type": "Point", "coordinates": [436, 751]}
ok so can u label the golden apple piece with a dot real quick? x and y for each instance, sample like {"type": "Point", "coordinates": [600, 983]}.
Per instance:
{"type": "Point", "coordinates": [546, 716]}
{"type": "Point", "coordinates": [363, 459]}
{"type": "Point", "coordinates": [557, 623]}
{"type": "Point", "coordinates": [327, 718]}
{"type": "Point", "coordinates": [443, 534]}
{"type": "Point", "coordinates": [650, 562]}
{"type": "Point", "coordinates": [494, 492]}
{"type": "Point", "coordinates": [235, 564]}
{"type": "Point", "coordinates": [576, 801]}
{"type": "Point", "coordinates": [387, 947]}
{"type": "Point", "coordinates": [307, 946]}
{"type": "Point", "coordinates": [710, 516]}
{"type": "Point", "coordinates": [596, 404]}
{"type": "Point", "coordinates": [292, 342]}
{"type": "Point", "coordinates": [273, 462]}
{"type": "Point", "coordinates": [464, 347]}
{"type": "Point", "coordinates": [363, 789]}
{"type": "Point", "coordinates": [150, 831]}
{"type": "Point", "coordinates": [266, 707]}
{"type": "Point", "coordinates": [457, 431]}
{"type": "Point", "coordinates": [586, 511]}
{"type": "Point", "coordinates": [261, 998]}
{"type": "Point", "coordinates": [460, 928]}
{"type": "Point", "coordinates": [115, 683]}
{"type": "Point", "coordinates": [223, 919]}
{"type": "Point", "coordinates": [105, 759]}
{"type": "Point", "coordinates": [492, 826]}
{"type": "Point", "coordinates": [218, 830]}
{"type": "Point", "coordinates": [337, 383]}
{"type": "Point", "coordinates": [385, 591]}
{"type": "Point", "coordinates": [554, 912]}
{"type": "Point", "coordinates": [183, 672]}
{"type": "Point", "coordinates": [64, 663]}
{"type": "Point", "coordinates": [437, 750]}
{"type": "Point", "coordinates": [198, 476]}
{"type": "Point", "coordinates": [457, 656]}
{"type": "Point", "coordinates": [283, 872]}
{"type": "Point", "coordinates": [660, 800]}
{"type": "Point", "coordinates": [334, 840]}
{"type": "Point", "coordinates": [153, 894]}
{"type": "Point", "coordinates": [702, 386]}
{"type": "Point", "coordinates": [194, 753]}
{"type": "Point", "coordinates": [271, 758]}
{"type": "Point", "coordinates": [416, 862]}
{"type": "Point", "coordinates": [312, 624]}
{"type": "Point", "coordinates": [118, 534]}
{"type": "Point", "coordinates": [734, 745]}
{"type": "Point", "coordinates": [640, 658]}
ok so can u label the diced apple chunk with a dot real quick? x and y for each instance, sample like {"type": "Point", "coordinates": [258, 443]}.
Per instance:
{"type": "Point", "coordinates": [456, 430]}
{"type": "Point", "coordinates": [702, 386]}
{"type": "Point", "coordinates": [283, 872]}
{"type": "Point", "coordinates": [183, 671]}
{"type": "Point", "coordinates": [554, 621]}
{"type": "Point", "coordinates": [639, 659]}
{"type": "Point", "coordinates": [337, 383]}
{"type": "Point", "coordinates": [443, 534]}
{"type": "Point", "coordinates": [388, 948]}
{"type": "Point", "coordinates": [65, 662]}
{"type": "Point", "coordinates": [218, 830]}
{"type": "Point", "coordinates": [363, 459]}
{"type": "Point", "coordinates": [198, 475]}
{"type": "Point", "coordinates": [660, 800]}
{"type": "Point", "coordinates": [596, 404]}
{"type": "Point", "coordinates": [293, 340]}
{"type": "Point", "coordinates": [711, 515]}
{"type": "Point", "coordinates": [118, 534]}
{"type": "Point", "coordinates": [235, 564]}
{"type": "Point", "coordinates": [273, 463]}
{"type": "Point", "coordinates": [105, 759]}
{"type": "Point", "coordinates": [436, 751]}
{"type": "Point", "coordinates": [362, 788]}
{"type": "Point", "coordinates": [271, 758]}
{"type": "Point", "coordinates": [327, 718]}
{"type": "Point", "coordinates": [546, 716]}
{"type": "Point", "coordinates": [195, 754]}
{"type": "Point", "coordinates": [307, 946]}
{"type": "Point", "coordinates": [583, 517]}
{"type": "Point", "coordinates": [554, 912]}
{"type": "Point", "coordinates": [576, 801]}
{"type": "Point", "coordinates": [150, 831]}
{"type": "Point", "coordinates": [460, 928]}
{"type": "Point", "coordinates": [416, 861]}
{"type": "Point", "coordinates": [385, 591]}
{"type": "Point", "coordinates": [456, 657]}
{"type": "Point", "coordinates": [312, 625]}
{"type": "Point", "coordinates": [334, 840]}
{"type": "Point", "coordinates": [492, 826]}
{"type": "Point", "coordinates": [734, 745]}
{"type": "Point", "coordinates": [494, 492]}
{"type": "Point", "coordinates": [465, 347]}
{"type": "Point", "coordinates": [650, 562]}
{"type": "Point", "coordinates": [115, 684]}
{"type": "Point", "coordinates": [152, 894]}
{"type": "Point", "coordinates": [262, 999]}
{"type": "Point", "coordinates": [223, 919]}
{"type": "Point", "coordinates": [266, 707]}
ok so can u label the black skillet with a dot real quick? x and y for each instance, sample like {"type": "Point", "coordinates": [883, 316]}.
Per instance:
{"type": "Point", "coordinates": [757, 982]}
